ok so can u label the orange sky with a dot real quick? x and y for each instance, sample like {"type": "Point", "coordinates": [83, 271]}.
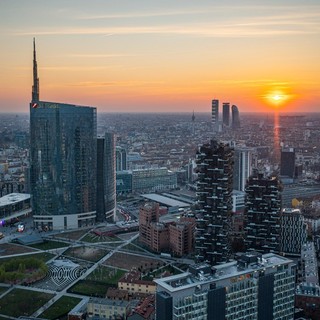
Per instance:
{"type": "Point", "coordinates": [125, 56]}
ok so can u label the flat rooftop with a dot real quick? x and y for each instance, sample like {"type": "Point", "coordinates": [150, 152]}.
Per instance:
{"type": "Point", "coordinates": [165, 200]}
{"type": "Point", "coordinates": [224, 271]}
{"type": "Point", "coordinates": [13, 198]}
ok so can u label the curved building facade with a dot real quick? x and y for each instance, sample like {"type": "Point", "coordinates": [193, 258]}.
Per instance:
{"type": "Point", "coordinates": [106, 178]}
{"type": "Point", "coordinates": [235, 117]}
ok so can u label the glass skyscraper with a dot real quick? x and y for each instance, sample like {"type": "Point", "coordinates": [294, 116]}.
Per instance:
{"type": "Point", "coordinates": [106, 178]}
{"type": "Point", "coordinates": [63, 153]}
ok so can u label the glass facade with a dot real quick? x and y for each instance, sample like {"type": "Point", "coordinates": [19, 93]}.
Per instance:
{"type": "Point", "coordinates": [106, 178]}
{"type": "Point", "coordinates": [63, 158]}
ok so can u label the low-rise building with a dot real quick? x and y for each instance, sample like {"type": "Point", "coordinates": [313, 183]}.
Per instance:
{"type": "Point", "coordinates": [132, 282]}
{"type": "Point", "coordinates": [108, 309]}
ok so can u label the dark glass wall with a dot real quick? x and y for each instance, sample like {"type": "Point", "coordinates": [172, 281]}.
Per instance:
{"type": "Point", "coordinates": [63, 158]}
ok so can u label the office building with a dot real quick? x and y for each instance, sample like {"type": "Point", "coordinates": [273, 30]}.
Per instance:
{"type": "Point", "coordinates": [106, 178]}
{"type": "Point", "coordinates": [262, 213]}
{"type": "Point", "coordinates": [308, 289]}
{"type": "Point", "coordinates": [14, 206]}
{"type": "Point", "coordinates": [63, 158]}
{"type": "Point", "coordinates": [293, 231]}
{"type": "Point", "coordinates": [153, 179]}
{"type": "Point", "coordinates": [215, 114]}
{"type": "Point", "coordinates": [243, 165]}
{"type": "Point", "coordinates": [235, 118]}
{"type": "Point", "coordinates": [287, 162]}
{"type": "Point", "coordinates": [214, 202]}
{"type": "Point", "coordinates": [123, 182]}
{"type": "Point", "coordinates": [121, 158]}
{"type": "Point", "coordinates": [257, 287]}
{"type": "Point", "coordinates": [226, 114]}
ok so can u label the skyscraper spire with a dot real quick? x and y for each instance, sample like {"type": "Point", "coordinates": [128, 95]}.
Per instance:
{"type": "Point", "coordinates": [35, 87]}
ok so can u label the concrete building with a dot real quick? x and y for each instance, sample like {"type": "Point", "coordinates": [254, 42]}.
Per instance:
{"type": "Point", "coordinates": [214, 202]}
{"type": "Point", "coordinates": [257, 287]}
{"type": "Point", "coordinates": [243, 166]}
{"type": "Point", "coordinates": [262, 213]}
{"type": "Point", "coordinates": [174, 237]}
{"type": "Point", "coordinates": [293, 231]}
{"type": "Point", "coordinates": [181, 236]}
{"type": "Point", "coordinates": [308, 289]}
{"type": "Point", "coordinates": [107, 309]}
{"type": "Point", "coordinates": [14, 205]}
{"type": "Point", "coordinates": [215, 114]}
{"type": "Point", "coordinates": [132, 283]}
{"type": "Point", "coordinates": [148, 213]}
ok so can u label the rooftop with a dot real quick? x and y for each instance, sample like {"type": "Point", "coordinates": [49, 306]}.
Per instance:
{"type": "Point", "coordinates": [219, 272]}
{"type": "Point", "coordinates": [13, 198]}
{"type": "Point", "coordinates": [165, 200]}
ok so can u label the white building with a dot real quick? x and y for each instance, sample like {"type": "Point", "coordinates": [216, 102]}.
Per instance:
{"type": "Point", "coordinates": [256, 287]}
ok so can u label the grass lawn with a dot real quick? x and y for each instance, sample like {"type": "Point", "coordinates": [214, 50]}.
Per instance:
{"type": "Point", "coordinates": [44, 256]}
{"type": "Point", "coordinates": [97, 282]}
{"type": "Point", "coordinates": [90, 288]}
{"type": "Point", "coordinates": [21, 302]}
{"type": "Point", "coordinates": [106, 275]}
{"type": "Point", "coordinates": [3, 289]}
{"type": "Point", "coordinates": [86, 253]}
{"type": "Point", "coordinates": [47, 245]}
{"type": "Point", "coordinates": [93, 238]}
{"type": "Point", "coordinates": [133, 247]}
{"type": "Point", "coordinates": [60, 308]}
{"type": "Point", "coordinates": [72, 235]}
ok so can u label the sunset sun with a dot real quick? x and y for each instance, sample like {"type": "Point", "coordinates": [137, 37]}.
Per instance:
{"type": "Point", "coordinates": [276, 98]}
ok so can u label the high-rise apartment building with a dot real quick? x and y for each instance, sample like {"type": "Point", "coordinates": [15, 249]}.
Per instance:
{"type": "Point", "coordinates": [175, 237]}
{"type": "Point", "coordinates": [63, 152]}
{"type": "Point", "coordinates": [262, 213]}
{"type": "Point", "coordinates": [226, 114]}
{"type": "Point", "coordinates": [287, 162]}
{"type": "Point", "coordinates": [257, 287]}
{"type": "Point", "coordinates": [215, 113]}
{"type": "Point", "coordinates": [148, 214]}
{"type": "Point", "coordinates": [235, 117]}
{"type": "Point", "coordinates": [214, 202]}
{"type": "Point", "coordinates": [243, 166]}
{"type": "Point", "coordinates": [106, 178]}
{"type": "Point", "coordinates": [181, 236]}
{"type": "Point", "coordinates": [293, 231]}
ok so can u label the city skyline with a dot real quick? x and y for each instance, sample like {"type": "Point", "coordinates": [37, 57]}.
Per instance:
{"type": "Point", "coordinates": [162, 57]}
